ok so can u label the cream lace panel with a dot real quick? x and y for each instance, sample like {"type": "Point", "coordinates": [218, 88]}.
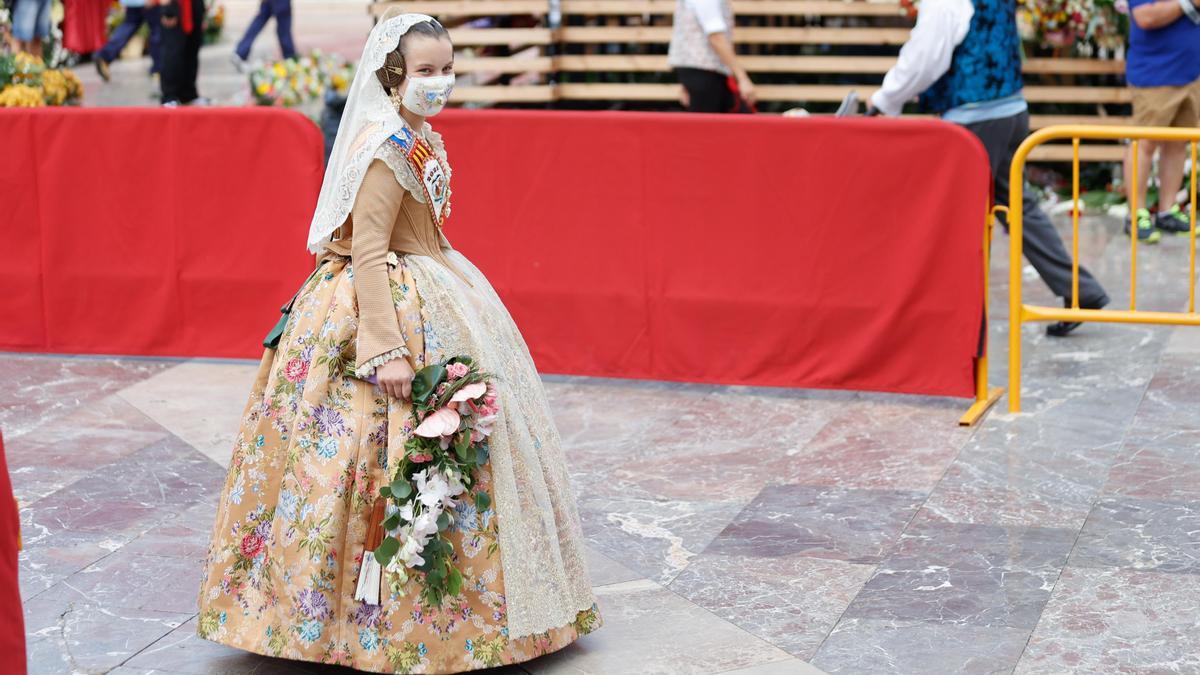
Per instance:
{"type": "Point", "coordinates": [541, 541]}
{"type": "Point", "coordinates": [395, 160]}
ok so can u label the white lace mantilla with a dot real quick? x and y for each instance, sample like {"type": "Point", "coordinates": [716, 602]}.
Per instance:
{"type": "Point", "coordinates": [546, 581]}
{"type": "Point", "coordinates": [368, 120]}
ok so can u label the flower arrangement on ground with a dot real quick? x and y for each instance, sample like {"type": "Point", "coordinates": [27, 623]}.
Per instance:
{"type": "Point", "coordinates": [26, 82]}
{"type": "Point", "coordinates": [292, 82]}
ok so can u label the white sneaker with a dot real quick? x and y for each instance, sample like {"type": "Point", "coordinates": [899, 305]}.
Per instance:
{"type": "Point", "coordinates": [239, 63]}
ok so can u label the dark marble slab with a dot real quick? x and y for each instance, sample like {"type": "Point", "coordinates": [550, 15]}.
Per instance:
{"type": "Point", "coordinates": [858, 526]}
{"type": "Point", "coordinates": [1142, 535]}
{"type": "Point", "coordinates": [980, 575]}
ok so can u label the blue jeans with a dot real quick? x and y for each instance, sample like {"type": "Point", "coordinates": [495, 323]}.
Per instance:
{"type": "Point", "coordinates": [282, 11]}
{"type": "Point", "coordinates": [134, 16]}
{"type": "Point", "coordinates": [31, 20]}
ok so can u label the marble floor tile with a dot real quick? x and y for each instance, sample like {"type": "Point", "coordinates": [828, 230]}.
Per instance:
{"type": "Point", "coordinates": [129, 495]}
{"type": "Point", "coordinates": [1167, 469]}
{"type": "Point", "coordinates": [1184, 340]}
{"type": "Point", "coordinates": [60, 452]}
{"type": "Point", "coordinates": [48, 561]}
{"type": "Point", "coordinates": [126, 580]}
{"type": "Point", "coordinates": [789, 667]}
{"type": "Point", "coordinates": [962, 574]}
{"type": "Point", "coordinates": [604, 571]}
{"type": "Point", "coordinates": [858, 526]}
{"type": "Point", "coordinates": [39, 388]}
{"type": "Point", "coordinates": [994, 482]}
{"type": "Point", "coordinates": [653, 536]}
{"type": "Point", "coordinates": [1141, 535]}
{"type": "Point", "coordinates": [790, 601]}
{"type": "Point", "coordinates": [651, 631]}
{"type": "Point", "coordinates": [199, 401]}
{"type": "Point", "coordinates": [861, 646]}
{"type": "Point", "coordinates": [1117, 621]}
{"type": "Point", "coordinates": [67, 633]}
{"type": "Point", "coordinates": [892, 447]}
{"type": "Point", "coordinates": [1171, 395]}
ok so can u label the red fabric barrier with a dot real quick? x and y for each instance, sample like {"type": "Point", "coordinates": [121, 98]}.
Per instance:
{"type": "Point", "coordinates": [155, 232]}
{"type": "Point", "coordinates": [819, 252]}
{"type": "Point", "coordinates": [12, 617]}
{"type": "Point", "coordinates": [740, 249]}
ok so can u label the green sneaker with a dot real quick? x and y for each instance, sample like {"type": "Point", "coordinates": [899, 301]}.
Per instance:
{"type": "Point", "coordinates": [1174, 220]}
{"type": "Point", "coordinates": [1147, 233]}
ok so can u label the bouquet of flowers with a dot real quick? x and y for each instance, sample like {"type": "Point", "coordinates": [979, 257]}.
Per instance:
{"type": "Point", "coordinates": [1072, 23]}
{"type": "Point", "coordinates": [292, 82]}
{"type": "Point", "coordinates": [454, 409]}
{"type": "Point", "coordinates": [1064, 23]}
{"type": "Point", "coordinates": [26, 82]}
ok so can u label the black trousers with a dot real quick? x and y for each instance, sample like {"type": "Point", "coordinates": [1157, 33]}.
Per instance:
{"type": "Point", "coordinates": [708, 91]}
{"type": "Point", "coordinates": [181, 54]}
{"type": "Point", "coordinates": [1042, 246]}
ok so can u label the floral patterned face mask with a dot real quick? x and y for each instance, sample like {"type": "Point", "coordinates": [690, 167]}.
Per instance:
{"type": "Point", "coordinates": [426, 96]}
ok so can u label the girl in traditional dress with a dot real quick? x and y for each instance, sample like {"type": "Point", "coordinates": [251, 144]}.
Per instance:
{"type": "Point", "coordinates": [389, 296]}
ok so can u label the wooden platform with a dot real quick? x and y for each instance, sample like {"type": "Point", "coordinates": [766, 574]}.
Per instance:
{"type": "Point", "coordinates": [612, 52]}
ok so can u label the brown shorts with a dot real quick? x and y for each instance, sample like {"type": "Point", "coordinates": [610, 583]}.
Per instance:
{"type": "Point", "coordinates": [1167, 106]}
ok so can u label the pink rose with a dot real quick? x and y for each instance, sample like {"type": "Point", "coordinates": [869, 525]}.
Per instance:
{"type": "Point", "coordinates": [421, 458]}
{"type": "Point", "coordinates": [252, 545]}
{"type": "Point", "coordinates": [296, 370]}
{"type": "Point", "coordinates": [457, 370]}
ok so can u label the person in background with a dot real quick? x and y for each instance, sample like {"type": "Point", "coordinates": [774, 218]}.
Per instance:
{"type": "Point", "coordinates": [137, 12]}
{"type": "Point", "coordinates": [85, 25]}
{"type": "Point", "coordinates": [1163, 70]}
{"type": "Point", "coordinates": [964, 59]}
{"type": "Point", "coordinates": [703, 57]}
{"type": "Point", "coordinates": [282, 11]}
{"type": "Point", "coordinates": [31, 25]}
{"type": "Point", "coordinates": [182, 35]}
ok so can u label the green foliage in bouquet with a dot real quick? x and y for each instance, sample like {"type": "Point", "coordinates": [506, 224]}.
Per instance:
{"type": "Point", "coordinates": [454, 408]}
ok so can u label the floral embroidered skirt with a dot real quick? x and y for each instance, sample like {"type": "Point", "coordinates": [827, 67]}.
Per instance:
{"type": "Point", "coordinates": [313, 449]}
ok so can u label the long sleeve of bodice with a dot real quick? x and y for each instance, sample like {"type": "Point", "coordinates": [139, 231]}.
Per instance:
{"type": "Point", "coordinates": [375, 209]}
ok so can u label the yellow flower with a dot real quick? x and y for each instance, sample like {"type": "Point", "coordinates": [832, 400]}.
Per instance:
{"type": "Point", "coordinates": [22, 96]}
{"type": "Point", "coordinates": [262, 88]}
{"type": "Point", "coordinates": [280, 71]}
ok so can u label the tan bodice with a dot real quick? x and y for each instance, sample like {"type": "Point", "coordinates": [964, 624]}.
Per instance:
{"type": "Point", "coordinates": [386, 217]}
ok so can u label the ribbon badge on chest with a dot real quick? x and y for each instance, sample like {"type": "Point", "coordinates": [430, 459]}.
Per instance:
{"type": "Point", "coordinates": [429, 170]}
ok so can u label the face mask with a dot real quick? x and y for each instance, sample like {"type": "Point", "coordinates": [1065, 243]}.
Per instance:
{"type": "Point", "coordinates": [426, 96]}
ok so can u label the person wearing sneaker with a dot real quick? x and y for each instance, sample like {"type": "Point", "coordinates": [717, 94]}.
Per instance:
{"type": "Point", "coordinates": [1163, 72]}
{"type": "Point", "coordinates": [182, 35]}
{"type": "Point", "coordinates": [137, 12]}
{"type": "Point", "coordinates": [964, 59]}
{"type": "Point", "coordinates": [282, 11]}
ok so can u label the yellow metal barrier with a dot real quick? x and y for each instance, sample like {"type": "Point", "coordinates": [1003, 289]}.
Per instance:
{"type": "Point", "coordinates": [985, 396]}
{"type": "Point", "coordinates": [1019, 313]}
